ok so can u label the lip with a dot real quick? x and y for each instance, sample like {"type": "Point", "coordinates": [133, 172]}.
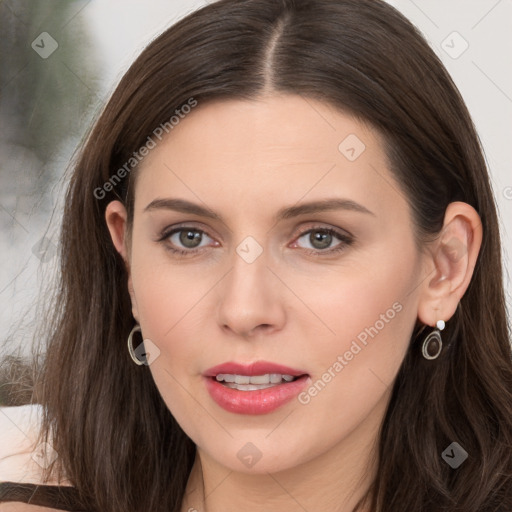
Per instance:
{"type": "Point", "coordinates": [261, 401]}
{"type": "Point", "coordinates": [251, 369]}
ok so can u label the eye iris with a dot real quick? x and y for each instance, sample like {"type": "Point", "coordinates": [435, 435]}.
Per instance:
{"type": "Point", "coordinates": [322, 237]}
{"type": "Point", "coordinates": [189, 238]}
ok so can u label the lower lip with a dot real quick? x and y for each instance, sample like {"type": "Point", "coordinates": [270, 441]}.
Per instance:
{"type": "Point", "coordinates": [259, 401]}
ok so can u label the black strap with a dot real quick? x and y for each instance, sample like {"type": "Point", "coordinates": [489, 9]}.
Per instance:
{"type": "Point", "coordinates": [60, 497]}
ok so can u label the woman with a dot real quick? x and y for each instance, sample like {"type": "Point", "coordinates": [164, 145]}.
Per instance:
{"type": "Point", "coordinates": [285, 213]}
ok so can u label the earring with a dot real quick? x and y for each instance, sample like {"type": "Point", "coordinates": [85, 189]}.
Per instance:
{"type": "Point", "coordinates": [134, 357]}
{"type": "Point", "coordinates": [433, 344]}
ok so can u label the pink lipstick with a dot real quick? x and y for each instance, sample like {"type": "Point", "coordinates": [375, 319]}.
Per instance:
{"type": "Point", "coordinates": [256, 388]}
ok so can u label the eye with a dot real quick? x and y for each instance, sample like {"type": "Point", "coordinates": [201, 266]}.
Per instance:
{"type": "Point", "coordinates": [185, 240]}
{"type": "Point", "coordinates": [321, 240]}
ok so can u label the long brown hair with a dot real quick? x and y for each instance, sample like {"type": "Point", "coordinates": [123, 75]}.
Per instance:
{"type": "Point", "coordinates": [119, 444]}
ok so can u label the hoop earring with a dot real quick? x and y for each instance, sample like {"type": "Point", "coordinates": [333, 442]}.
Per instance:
{"type": "Point", "coordinates": [134, 357]}
{"type": "Point", "coordinates": [433, 343]}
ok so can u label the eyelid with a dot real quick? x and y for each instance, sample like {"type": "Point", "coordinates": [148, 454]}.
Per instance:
{"type": "Point", "coordinates": [320, 226]}
{"type": "Point", "coordinates": [168, 231]}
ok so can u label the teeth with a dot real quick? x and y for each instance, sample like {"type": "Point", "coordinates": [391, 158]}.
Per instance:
{"type": "Point", "coordinates": [248, 387]}
{"type": "Point", "coordinates": [269, 378]}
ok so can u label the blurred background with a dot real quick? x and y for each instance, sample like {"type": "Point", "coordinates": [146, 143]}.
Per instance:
{"type": "Point", "coordinates": [61, 59]}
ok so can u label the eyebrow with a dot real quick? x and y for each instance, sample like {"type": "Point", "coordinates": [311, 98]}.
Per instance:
{"type": "Point", "coordinates": [184, 206]}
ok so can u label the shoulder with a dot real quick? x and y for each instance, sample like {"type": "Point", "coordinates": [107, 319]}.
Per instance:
{"type": "Point", "coordinates": [20, 459]}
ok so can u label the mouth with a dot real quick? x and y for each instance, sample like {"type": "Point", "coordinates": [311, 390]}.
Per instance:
{"type": "Point", "coordinates": [256, 388]}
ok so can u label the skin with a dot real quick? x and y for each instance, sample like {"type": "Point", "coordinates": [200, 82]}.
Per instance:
{"type": "Point", "coordinates": [246, 160]}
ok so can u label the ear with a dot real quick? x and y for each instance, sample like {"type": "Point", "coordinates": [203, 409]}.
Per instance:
{"type": "Point", "coordinates": [450, 263]}
{"type": "Point", "coordinates": [116, 219]}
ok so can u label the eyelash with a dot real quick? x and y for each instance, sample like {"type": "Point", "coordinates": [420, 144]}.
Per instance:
{"type": "Point", "coordinates": [345, 239]}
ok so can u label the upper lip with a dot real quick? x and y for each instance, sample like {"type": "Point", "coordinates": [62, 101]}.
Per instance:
{"type": "Point", "coordinates": [256, 368]}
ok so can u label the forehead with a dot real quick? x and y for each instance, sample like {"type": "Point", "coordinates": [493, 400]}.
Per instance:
{"type": "Point", "coordinates": [291, 126]}
{"type": "Point", "coordinates": [276, 149]}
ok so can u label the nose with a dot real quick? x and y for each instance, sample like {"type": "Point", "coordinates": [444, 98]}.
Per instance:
{"type": "Point", "coordinates": [250, 299]}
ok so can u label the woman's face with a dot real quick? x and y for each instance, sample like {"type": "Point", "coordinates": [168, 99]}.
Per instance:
{"type": "Point", "coordinates": [257, 284]}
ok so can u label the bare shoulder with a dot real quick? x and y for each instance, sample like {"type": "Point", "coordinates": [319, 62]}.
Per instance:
{"type": "Point", "coordinates": [15, 506]}
{"type": "Point", "coordinates": [21, 458]}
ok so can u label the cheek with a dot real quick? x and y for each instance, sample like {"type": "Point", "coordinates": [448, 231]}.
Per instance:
{"type": "Point", "coordinates": [372, 311]}
{"type": "Point", "coordinates": [165, 292]}
{"type": "Point", "coordinates": [168, 299]}
{"type": "Point", "coordinates": [171, 300]}
{"type": "Point", "coordinates": [369, 301]}
{"type": "Point", "coordinates": [368, 315]}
